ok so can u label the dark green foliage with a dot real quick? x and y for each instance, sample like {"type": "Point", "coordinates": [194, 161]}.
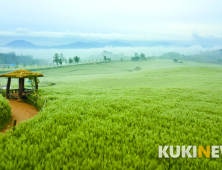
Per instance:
{"type": "Point", "coordinates": [215, 56]}
{"type": "Point", "coordinates": [35, 100]}
{"type": "Point", "coordinates": [106, 59]}
{"type": "Point", "coordinates": [76, 59]}
{"type": "Point", "coordinates": [12, 58]}
{"type": "Point", "coordinates": [65, 60]}
{"type": "Point", "coordinates": [61, 59]}
{"type": "Point", "coordinates": [137, 58]}
{"type": "Point", "coordinates": [142, 56]}
{"type": "Point", "coordinates": [70, 61]}
{"type": "Point", "coordinates": [5, 112]}
{"type": "Point", "coordinates": [137, 68]}
{"type": "Point", "coordinates": [175, 60]}
{"type": "Point", "coordinates": [51, 83]}
{"type": "Point", "coordinates": [56, 59]}
{"type": "Point", "coordinates": [34, 80]}
{"type": "Point", "coordinates": [171, 55]}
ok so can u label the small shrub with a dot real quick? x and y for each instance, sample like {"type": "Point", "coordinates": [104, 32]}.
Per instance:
{"type": "Point", "coordinates": [175, 60]}
{"type": "Point", "coordinates": [137, 68]}
{"type": "Point", "coordinates": [35, 100]}
{"type": "Point", "coordinates": [51, 83]}
{"type": "Point", "coordinates": [181, 61]}
{"type": "Point", "coordinates": [5, 112]}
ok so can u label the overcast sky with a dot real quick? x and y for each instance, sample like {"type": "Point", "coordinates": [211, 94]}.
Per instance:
{"type": "Point", "coordinates": [146, 20]}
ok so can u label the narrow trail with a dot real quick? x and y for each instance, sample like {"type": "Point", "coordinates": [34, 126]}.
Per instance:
{"type": "Point", "coordinates": [20, 112]}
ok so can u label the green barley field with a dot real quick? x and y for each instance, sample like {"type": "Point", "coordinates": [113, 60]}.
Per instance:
{"type": "Point", "coordinates": [102, 116]}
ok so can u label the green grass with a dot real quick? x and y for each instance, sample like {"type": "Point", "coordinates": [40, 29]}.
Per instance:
{"type": "Point", "coordinates": [5, 112]}
{"type": "Point", "coordinates": [102, 116]}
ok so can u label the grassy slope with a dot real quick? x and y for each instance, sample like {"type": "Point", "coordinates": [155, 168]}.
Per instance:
{"type": "Point", "coordinates": [104, 117]}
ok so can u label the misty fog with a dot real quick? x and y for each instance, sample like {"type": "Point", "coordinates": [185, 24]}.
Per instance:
{"type": "Point", "coordinates": [47, 54]}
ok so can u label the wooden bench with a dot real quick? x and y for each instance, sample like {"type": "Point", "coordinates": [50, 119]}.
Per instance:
{"type": "Point", "coordinates": [15, 92]}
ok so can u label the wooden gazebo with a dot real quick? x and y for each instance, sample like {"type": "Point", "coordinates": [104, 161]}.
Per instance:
{"type": "Point", "coordinates": [21, 75]}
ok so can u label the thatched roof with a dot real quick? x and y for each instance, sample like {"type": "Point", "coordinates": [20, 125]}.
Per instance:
{"type": "Point", "coordinates": [21, 74]}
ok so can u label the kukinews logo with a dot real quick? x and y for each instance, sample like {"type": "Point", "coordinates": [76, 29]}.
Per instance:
{"type": "Point", "coordinates": [190, 151]}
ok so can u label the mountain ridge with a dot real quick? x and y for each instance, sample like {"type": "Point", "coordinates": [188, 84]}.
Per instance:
{"type": "Point", "coordinates": [22, 44]}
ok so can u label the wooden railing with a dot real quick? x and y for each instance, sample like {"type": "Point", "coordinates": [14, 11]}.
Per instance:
{"type": "Point", "coordinates": [17, 90]}
{"type": "Point", "coordinates": [36, 100]}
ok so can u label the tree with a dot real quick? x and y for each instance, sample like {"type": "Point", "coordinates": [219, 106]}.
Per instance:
{"type": "Point", "coordinates": [34, 80]}
{"type": "Point", "coordinates": [136, 57]}
{"type": "Point", "coordinates": [65, 61]}
{"type": "Point", "coordinates": [56, 59]}
{"type": "Point", "coordinates": [61, 58]}
{"type": "Point", "coordinates": [70, 61]}
{"type": "Point", "coordinates": [76, 59]}
{"type": "Point", "coordinates": [142, 56]}
{"type": "Point", "coordinates": [104, 58]}
{"type": "Point", "coordinates": [24, 65]}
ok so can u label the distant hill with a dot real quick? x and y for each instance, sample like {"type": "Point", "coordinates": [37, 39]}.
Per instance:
{"type": "Point", "coordinates": [23, 44]}
{"type": "Point", "coordinates": [77, 45]}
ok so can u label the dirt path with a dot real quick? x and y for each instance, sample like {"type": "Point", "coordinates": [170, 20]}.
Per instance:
{"type": "Point", "coordinates": [20, 112]}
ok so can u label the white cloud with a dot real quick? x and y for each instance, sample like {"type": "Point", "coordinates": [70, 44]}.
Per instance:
{"type": "Point", "coordinates": [90, 36]}
{"type": "Point", "coordinates": [159, 17]}
{"type": "Point", "coordinates": [21, 30]}
{"type": "Point", "coordinates": [142, 20]}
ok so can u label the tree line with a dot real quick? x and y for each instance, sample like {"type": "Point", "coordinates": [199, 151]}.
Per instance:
{"type": "Point", "coordinates": [138, 57]}
{"type": "Point", "coordinates": [215, 56]}
{"type": "Point", "coordinates": [12, 58]}
{"type": "Point", "coordinates": [59, 59]}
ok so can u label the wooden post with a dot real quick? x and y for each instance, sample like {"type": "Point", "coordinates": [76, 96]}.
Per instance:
{"type": "Point", "coordinates": [8, 87]}
{"type": "Point", "coordinates": [14, 125]}
{"type": "Point", "coordinates": [23, 84]}
{"type": "Point", "coordinates": [20, 90]}
{"type": "Point", "coordinates": [36, 83]}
